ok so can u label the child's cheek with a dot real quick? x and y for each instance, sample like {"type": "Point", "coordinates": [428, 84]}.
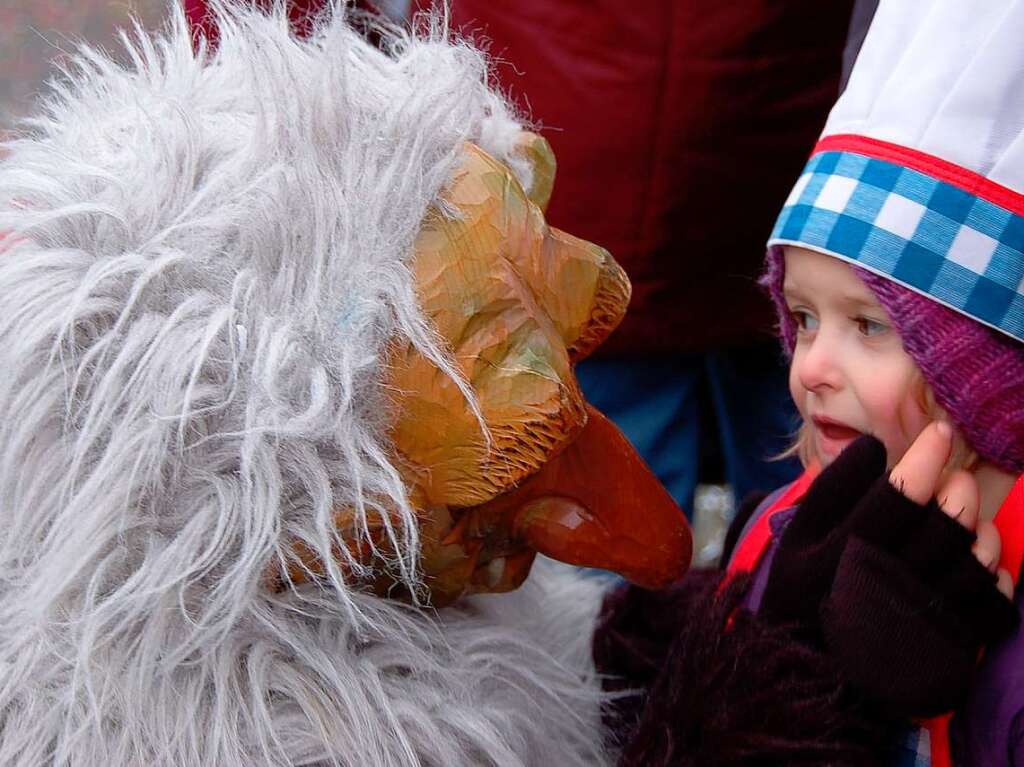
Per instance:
{"type": "Point", "coordinates": [914, 420]}
{"type": "Point", "coordinates": [898, 425]}
{"type": "Point", "coordinates": [796, 390]}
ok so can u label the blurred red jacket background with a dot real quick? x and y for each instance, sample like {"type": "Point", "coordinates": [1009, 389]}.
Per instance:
{"type": "Point", "coordinates": [679, 128]}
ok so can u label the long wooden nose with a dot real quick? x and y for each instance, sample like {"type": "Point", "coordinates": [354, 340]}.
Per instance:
{"type": "Point", "coordinates": [597, 504]}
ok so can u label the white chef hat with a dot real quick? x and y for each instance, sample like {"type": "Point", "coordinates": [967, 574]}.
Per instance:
{"type": "Point", "coordinates": [919, 173]}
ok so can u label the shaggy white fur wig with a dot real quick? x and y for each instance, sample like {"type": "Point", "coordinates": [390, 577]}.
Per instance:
{"type": "Point", "coordinates": [206, 257]}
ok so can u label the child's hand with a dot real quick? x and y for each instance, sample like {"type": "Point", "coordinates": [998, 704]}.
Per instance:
{"type": "Point", "coordinates": [898, 591]}
{"type": "Point", "coordinates": [918, 475]}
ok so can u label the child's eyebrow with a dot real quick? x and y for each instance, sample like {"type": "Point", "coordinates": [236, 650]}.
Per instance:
{"type": "Point", "coordinates": [857, 302]}
{"type": "Point", "coordinates": [791, 291]}
{"type": "Point", "coordinates": [851, 302]}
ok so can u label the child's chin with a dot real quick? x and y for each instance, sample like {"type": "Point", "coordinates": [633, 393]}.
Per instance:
{"type": "Point", "coordinates": [827, 450]}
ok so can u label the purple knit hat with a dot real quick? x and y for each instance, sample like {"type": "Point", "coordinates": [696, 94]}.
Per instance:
{"type": "Point", "coordinates": [976, 373]}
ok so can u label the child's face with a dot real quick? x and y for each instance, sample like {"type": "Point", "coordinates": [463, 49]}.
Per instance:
{"type": "Point", "coordinates": [850, 374]}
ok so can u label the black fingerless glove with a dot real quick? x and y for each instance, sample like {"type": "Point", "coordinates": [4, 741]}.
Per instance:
{"type": "Point", "coordinates": [890, 589]}
{"type": "Point", "coordinates": [808, 555]}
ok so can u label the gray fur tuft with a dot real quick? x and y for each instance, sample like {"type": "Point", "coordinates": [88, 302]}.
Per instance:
{"type": "Point", "coordinates": [205, 262]}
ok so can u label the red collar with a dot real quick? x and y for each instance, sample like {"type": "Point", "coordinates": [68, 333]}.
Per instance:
{"type": "Point", "coordinates": [1009, 520]}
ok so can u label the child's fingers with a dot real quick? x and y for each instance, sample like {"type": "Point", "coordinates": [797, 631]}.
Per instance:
{"type": "Point", "coordinates": [917, 473]}
{"type": "Point", "coordinates": [1004, 583]}
{"type": "Point", "coordinates": [959, 497]}
{"type": "Point", "coordinates": [989, 546]}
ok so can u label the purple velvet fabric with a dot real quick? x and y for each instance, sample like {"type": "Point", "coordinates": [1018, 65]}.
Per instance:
{"type": "Point", "coordinates": [989, 729]}
{"type": "Point", "coordinates": [777, 524]}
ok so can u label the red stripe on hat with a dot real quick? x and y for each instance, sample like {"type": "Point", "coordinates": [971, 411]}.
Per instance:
{"type": "Point", "coordinates": [943, 170]}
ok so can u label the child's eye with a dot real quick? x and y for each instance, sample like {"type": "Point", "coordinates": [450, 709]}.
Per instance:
{"type": "Point", "coordinates": [869, 327]}
{"type": "Point", "coordinates": [805, 321]}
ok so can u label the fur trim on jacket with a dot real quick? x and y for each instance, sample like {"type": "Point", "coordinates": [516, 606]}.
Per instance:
{"type": "Point", "coordinates": [720, 688]}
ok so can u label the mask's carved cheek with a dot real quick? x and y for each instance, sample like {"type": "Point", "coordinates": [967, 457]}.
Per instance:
{"type": "Point", "coordinates": [505, 343]}
{"type": "Point", "coordinates": [577, 284]}
{"type": "Point", "coordinates": [572, 263]}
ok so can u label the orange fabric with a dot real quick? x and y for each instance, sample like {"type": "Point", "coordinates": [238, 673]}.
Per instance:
{"type": "Point", "coordinates": [1009, 521]}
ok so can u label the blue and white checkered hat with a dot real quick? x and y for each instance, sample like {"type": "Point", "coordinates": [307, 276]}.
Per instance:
{"type": "Point", "coordinates": [919, 173]}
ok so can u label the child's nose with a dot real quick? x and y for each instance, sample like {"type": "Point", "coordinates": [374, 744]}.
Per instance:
{"type": "Point", "coordinates": [816, 366]}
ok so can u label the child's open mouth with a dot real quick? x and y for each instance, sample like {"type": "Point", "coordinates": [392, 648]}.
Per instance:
{"type": "Point", "coordinates": [833, 436]}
